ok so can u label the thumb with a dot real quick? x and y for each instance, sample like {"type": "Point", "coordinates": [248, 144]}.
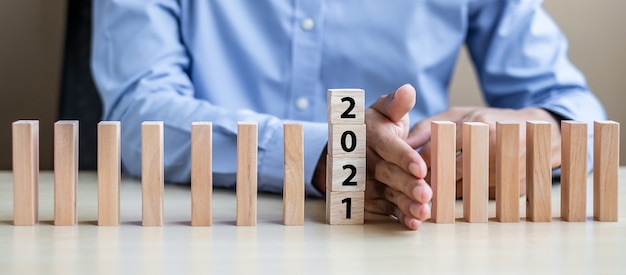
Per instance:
{"type": "Point", "coordinates": [396, 105]}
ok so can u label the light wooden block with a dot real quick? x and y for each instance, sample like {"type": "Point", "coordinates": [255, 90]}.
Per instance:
{"type": "Point", "coordinates": [201, 173]}
{"type": "Point", "coordinates": [346, 141]}
{"type": "Point", "coordinates": [65, 171]}
{"type": "Point", "coordinates": [109, 173]}
{"type": "Point", "coordinates": [443, 171]}
{"type": "Point", "coordinates": [475, 172]}
{"type": "Point", "coordinates": [293, 191]}
{"type": "Point", "coordinates": [605, 170]}
{"type": "Point", "coordinates": [346, 106]}
{"type": "Point", "coordinates": [25, 172]}
{"type": "Point", "coordinates": [573, 171]}
{"type": "Point", "coordinates": [345, 174]}
{"type": "Point", "coordinates": [507, 171]}
{"type": "Point", "coordinates": [247, 174]}
{"type": "Point", "coordinates": [345, 208]}
{"type": "Point", "coordinates": [538, 171]}
{"type": "Point", "coordinates": [152, 177]}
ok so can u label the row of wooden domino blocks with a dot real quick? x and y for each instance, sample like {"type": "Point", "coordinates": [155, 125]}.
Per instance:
{"type": "Point", "coordinates": [26, 173]}
{"type": "Point", "coordinates": [475, 141]}
{"type": "Point", "coordinates": [345, 161]}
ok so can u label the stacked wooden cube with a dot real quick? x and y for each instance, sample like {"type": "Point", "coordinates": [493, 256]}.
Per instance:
{"type": "Point", "coordinates": [345, 170]}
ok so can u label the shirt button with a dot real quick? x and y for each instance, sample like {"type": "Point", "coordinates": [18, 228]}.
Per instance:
{"type": "Point", "coordinates": [302, 103]}
{"type": "Point", "coordinates": [308, 24]}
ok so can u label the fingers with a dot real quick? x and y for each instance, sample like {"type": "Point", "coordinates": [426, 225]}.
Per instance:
{"type": "Point", "coordinates": [414, 188]}
{"type": "Point", "coordinates": [395, 203]}
{"type": "Point", "coordinates": [396, 106]}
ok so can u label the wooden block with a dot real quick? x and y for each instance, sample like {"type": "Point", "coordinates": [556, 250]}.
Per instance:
{"type": "Point", "coordinates": [346, 141]}
{"type": "Point", "coordinates": [443, 171]}
{"type": "Point", "coordinates": [152, 180]}
{"type": "Point", "coordinates": [605, 170]}
{"type": "Point", "coordinates": [293, 192]}
{"type": "Point", "coordinates": [201, 173]}
{"type": "Point", "coordinates": [538, 171]}
{"type": "Point", "coordinates": [475, 172]}
{"type": "Point", "coordinates": [65, 171]}
{"type": "Point", "coordinates": [246, 173]}
{"type": "Point", "coordinates": [346, 106]}
{"type": "Point", "coordinates": [345, 174]}
{"type": "Point", "coordinates": [345, 207]}
{"type": "Point", "coordinates": [25, 172]}
{"type": "Point", "coordinates": [109, 173]}
{"type": "Point", "coordinates": [573, 171]}
{"type": "Point", "coordinates": [507, 171]}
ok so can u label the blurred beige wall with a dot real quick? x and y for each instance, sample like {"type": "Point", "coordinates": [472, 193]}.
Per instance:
{"type": "Point", "coordinates": [30, 66]}
{"type": "Point", "coordinates": [596, 31]}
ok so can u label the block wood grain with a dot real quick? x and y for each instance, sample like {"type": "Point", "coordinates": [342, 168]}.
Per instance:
{"type": "Point", "coordinates": [152, 177]}
{"type": "Point", "coordinates": [293, 190]}
{"type": "Point", "coordinates": [201, 173]}
{"type": "Point", "coordinates": [343, 208]}
{"type": "Point", "coordinates": [346, 106]}
{"type": "Point", "coordinates": [573, 171]}
{"type": "Point", "coordinates": [538, 171]}
{"type": "Point", "coordinates": [247, 174]}
{"type": "Point", "coordinates": [605, 170]}
{"type": "Point", "coordinates": [65, 171]}
{"type": "Point", "coordinates": [507, 171]}
{"type": "Point", "coordinates": [109, 173]}
{"type": "Point", "coordinates": [25, 172]}
{"type": "Point", "coordinates": [346, 174]}
{"type": "Point", "coordinates": [475, 172]}
{"type": "Point", "coordinates": [346, 141]}
{"type": "Point", "coordinates": [443, 171]}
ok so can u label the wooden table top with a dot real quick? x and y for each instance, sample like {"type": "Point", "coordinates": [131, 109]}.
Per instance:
{"type": "Point", "coordinates": [381, 246]}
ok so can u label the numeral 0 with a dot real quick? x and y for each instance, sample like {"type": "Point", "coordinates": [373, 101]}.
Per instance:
{"type": "Point", "coordinates": [352, 136]}
{"type": "Point", "coordinates": [348, 202]}
{"type": "Point", "coordinates": [346, 113]}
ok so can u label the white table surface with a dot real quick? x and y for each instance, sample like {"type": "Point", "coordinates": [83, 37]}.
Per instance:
{"type": "Point", "coordinates": [381, 246]}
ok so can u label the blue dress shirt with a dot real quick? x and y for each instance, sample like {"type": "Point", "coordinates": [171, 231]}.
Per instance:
{"type": "Point", "coordinates": [271, 61]}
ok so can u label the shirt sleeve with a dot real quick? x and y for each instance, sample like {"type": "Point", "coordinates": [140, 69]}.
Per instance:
{"type": "Point", "coordinates": [141, 67]}
{"type": "Point", "coordinates": [520, 56]}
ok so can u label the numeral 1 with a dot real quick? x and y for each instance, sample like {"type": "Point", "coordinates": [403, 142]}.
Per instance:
{"type": "Point", "coordinates": [348, 202]}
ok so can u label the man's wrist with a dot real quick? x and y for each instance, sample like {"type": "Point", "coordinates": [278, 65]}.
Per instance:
{"type": "Point", "coordinates": [319, 176]}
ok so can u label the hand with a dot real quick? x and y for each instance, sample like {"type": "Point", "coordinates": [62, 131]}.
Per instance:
{"type": "Point", "coordinates": [395, 182]}
{"type": "Point", "coordinates": [420, 137]}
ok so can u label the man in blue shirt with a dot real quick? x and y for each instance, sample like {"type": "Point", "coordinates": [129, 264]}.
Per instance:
{"type": "Point", "coordinates": [272, 61]}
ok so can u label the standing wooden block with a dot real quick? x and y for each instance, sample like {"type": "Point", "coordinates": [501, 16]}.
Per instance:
{"type": "Point", "coordinates": [507, 171]}
{"type": "Point", "coordinates": [573, 171]}
{"type": "Point", "coordinates": [346, 106]}
{"type": "Point", "coordinates": [538, 171]}
{"type": "Point", "coordinates": [293, 192]}
{"type": "Point", "coordinates": [346, 174]}
{"type": "Point", "coordinates": [152, 173]}
{"type": "Point", "coordinates": [201, 173]}
{"type": "Point", "coordinates": [475, 171]}
{"type": "Point", "coordinates": [346, 141]}
{"type": "Point", "coordinates": [25, 172]}
{"type": "Point", "coordinates": [345, 207]}
{"type": "Point", "coordinates": [443, 171]}
{"type": "Point", "coordinates": [109, 173]}
{"type": "Point", "coordinates": [65, 171]}
{"type": "Point", "coordinates": [246, 174]}
{"type": "Point", "coordinates": [605, 170]}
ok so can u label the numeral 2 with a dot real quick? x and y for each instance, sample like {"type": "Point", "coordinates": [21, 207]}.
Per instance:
{"type": "Point", "coordinates": [347, 181]}
{"type": "Point", "coordinates": [346, 113]}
